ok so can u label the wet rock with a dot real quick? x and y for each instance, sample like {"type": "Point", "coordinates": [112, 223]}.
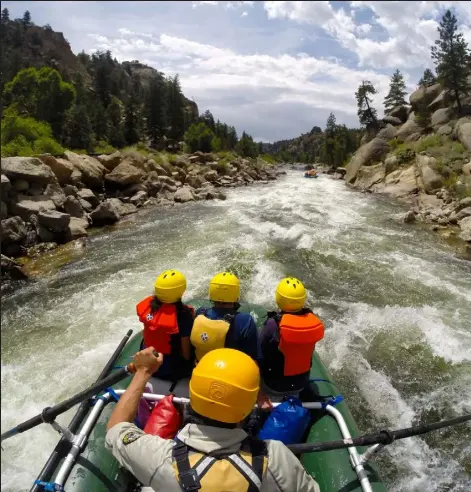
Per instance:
{"type": "Point", "coordinates": [41, 248]}
{"type": "Point", "coordinates": [13, 230]}
{"type": "Point", "coordinates": [139, 198]}
{"type": "Point", "coordinates": [29, 169]}
{"type": "Point", "coordinates": [408, 217]}
{"type": "Point", "coordinates": [465, 226]}
{"type": "Point", "coordinates": [73, 207]}
{"type": "Point", "coordinates": [91, 170]}
{"type": "Point", "coordinates": [125, 174]}
{"type": "Point", "coordinates": [54, 221]}
{"type": "Point", "coordinates": [4, 187]}
{"type": "Point", "coordinates": [111, 161]}
{"type": "Point", "coordinates": [45, 235]}
{"type": "Point", "coordinates": [77, 228]}
{"type": "Point", "coordinates": [10, 270]}
{"type": "Point", "coordinates": [184, 195]}
{"type": "Point", "coordinates": [32, 205]}
{"type": "Point", "coordinates": [61, 168]}
{"type": "Point", "coordinates": [105, 213]}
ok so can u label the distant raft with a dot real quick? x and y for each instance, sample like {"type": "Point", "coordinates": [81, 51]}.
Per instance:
{"type": "Point", "coordinates": [311, 174]}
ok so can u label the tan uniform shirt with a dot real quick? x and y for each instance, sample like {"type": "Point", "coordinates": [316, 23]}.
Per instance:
{"type": "Point", "coordinates": [149, 458]}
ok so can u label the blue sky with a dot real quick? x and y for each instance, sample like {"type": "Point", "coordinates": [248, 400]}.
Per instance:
{"type": "Point", "coordinates": [274, 69]}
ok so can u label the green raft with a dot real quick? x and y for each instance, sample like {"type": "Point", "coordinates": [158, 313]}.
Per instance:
{"type": "Point", "coordinates": [95, 469]}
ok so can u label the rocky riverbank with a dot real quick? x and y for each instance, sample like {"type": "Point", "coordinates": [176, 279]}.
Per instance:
{"type": "Point", "coordinates": [47, 201]}
{"type": "Point", "coordinates": [431, 171]}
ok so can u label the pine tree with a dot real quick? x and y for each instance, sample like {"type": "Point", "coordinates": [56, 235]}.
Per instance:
{"type": "Point", "coordinates": [397, 92]}
{"type": "Point", "coordinates": [115, 119]}
{"type": "Point", "coordinates": [452, 59]}
{"type": "Point", "coordinates": [176, 118]}
{"type": "Point", "coordinates": [156, 110]}
{"type": "Point", "coordinates": [329, 140]}
{"type": "Point", "coordinates": [26, 20]}
{"type": "Point", "coordinates": [208, 119]}
{"type": "Point", "coordinates": [427, 79]}
{"type": "Point", "coordinates": [78, 130]}
{"type": "Point", "coordinates": [366, 113]}
{"type": "Point", "coordinates": [246, 147]}
{"type": "Point", "coordinates": [5, 16]}
{"type": "Point", "coordinates": [232, 138]}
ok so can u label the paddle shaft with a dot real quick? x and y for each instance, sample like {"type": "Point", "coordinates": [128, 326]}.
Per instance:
{"type": "Point", "coordinates": [384, 437]}
{"type": "Point", "coordinates": [50, 413]}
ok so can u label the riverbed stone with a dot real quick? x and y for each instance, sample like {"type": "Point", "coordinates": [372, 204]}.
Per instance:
{"type": "Point", "coordinates": [56, 193]}
{"type": "Point", "coordinates": [89, 196]}
{"type": "Point", "coordinates": [54, 221]}
{"type": "Point", "coordinates": [122, 208]}
{"type": "Point", "coordinates": [13, 230]}
{"type": "Point", "coordinates": [111, 161]}
{"type": "Point", "coordinates": [184, 195]}
{"type": "Point", "coordinates": [62, 168]}
{"type": "Point", "coordinates": [73, 207]}
{"type": "Point", "coordinates": [105, 213]}
{"type": "Point", "coordinates": [139, 198]}
{"type": "Point", "coordinates": [77, 228]}
{"type": "Point", "coordinates": [91, 170]}
{"type": "Point", "coordinates": [32, 205]}
{"type": "Point", "coordinates": [465, 226]}
{"type": "Point", "coordinates": [30, 169]}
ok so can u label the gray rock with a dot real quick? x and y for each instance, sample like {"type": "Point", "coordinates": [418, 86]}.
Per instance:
{"type": "Point", "coordinates": [409, 128]}
{"type": "Point", "coordinates": [125, 174]}
{"type": "Point", "coordinates": [32, 205]}
{"type": "Point", "coordinates": [11, 269]}
{"type": "Point", "coordinates": [400, 112]}
{"type": "Point", "coordinates": [54, 221]}
{"type": "Point", "coordinates": [366, 155]}
{"type": "Point", "coordinates": [463, 131]}
{"type": "Point", "coordinates": [45, 235]}
{"type": "Point", "coordinates": [430, 92]}
{"type": "Point", "coordinates": [465, 212]}
{"type": "Point", "coordinates": [3, 210]}
{"type": "Point", "coordinates": [368, 176]}
{"type": "Point", "coordinates": [440, 117]}
{"type": "Point", "coordinates": [391, 162]}
{"type": "Point", "coordinates": [30, 169]}
{"type": "Point", "coordinates": [184, 195]}
{"type": "Point", "coordinates": [111, 161]}
{"type": "Point", "coordinates": [87, 206]}
{"type": "Point", "coordinates": [392, 120]}
{"type": "Point", "coordinates": [60, 167]}
{"type": "Point", "coordinates": [467, 169]}
{"type": "Point", "coordinates": [139, 198]}
{"type": "Point", "coordinates": [445, 130]}
{"type": "Point", "coordinates": [56, 193]}
{"type": "Point", "coordinates": [70, 190]}
{"type": "Point", "coordinates": [77, 228]}
{"type": "Point", "coordinates": [73, 207]}
{"type": "Point", "coordinates": [430, 178]}
{"type": "Point", "coordinates": [387, 133]}
{"type": "Point", "coordinates": [89, 196]}
{"type": "Point", "coordinates": [4, 187]}
{"type": "Point", "coordinates": [465, 226]}
{"type": "Point", "coordinates": [408, 217]}
{"type": "Point", "coordinates": [13, 230]}
{"type": "Point", "coordinates": [91, 170]}
{"type": "Point", "coordinates": [123, 208]}
{"type": "Point", "coordinates": [105, 213]}
{"type": "Point", "coordinates": [76, 177]}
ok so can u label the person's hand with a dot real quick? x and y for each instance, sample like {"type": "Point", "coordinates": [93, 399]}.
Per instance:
{"type": "Point", "coordinates": [146, 362]}
{"type": "Point", "coordinates": [264, 402]}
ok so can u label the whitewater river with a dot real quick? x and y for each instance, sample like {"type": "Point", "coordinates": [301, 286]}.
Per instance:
{"type": "Point", "coordinates": [396, 304]}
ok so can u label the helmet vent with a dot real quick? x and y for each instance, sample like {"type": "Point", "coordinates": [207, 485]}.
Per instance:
{"type": "Point", "coordinates": [173, 273]}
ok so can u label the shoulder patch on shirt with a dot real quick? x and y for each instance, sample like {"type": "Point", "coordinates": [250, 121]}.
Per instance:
{"type": "Point", "coordinates": [130, 437]}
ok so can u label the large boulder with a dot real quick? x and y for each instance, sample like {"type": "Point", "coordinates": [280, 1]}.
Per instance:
{"type": "Point", "coordinates": [368, 176]}
{"type": "Point", "coordinates": [440, 117]}
{"type": "Point", "coordinates": [392, 120]}
{"type": "Point", "coordinates": [123, 208]}
{"type": "Point", "coordinates": [30, 169]}
{"type": "Point", "coordinates": [391, 162]}
{"type": "Point", "coordinates": [73, 207]}
{"type": "Point", "coordinates": [91, 170]}
{"type": "Point", "coordinates": [445, 130]}
{"type": "Point", "coordinates": [438, 102]}
{"type": "Point", "coordinates": [105, 213]}
{"type": "Point", "coordinates": [408, 129]}
{"type": "Point", "coordinates": [430, 93]}
{"type": "Point", "coordinates": [13, 230]}
{"type": "Point", "coordinates": [32, 205]}
{"type": "Point", "coordinates": [111, 161]}
{"type": "Point", "coordinates": [77, 228]}
{"type": "Point", "coordinates": [56, 193]}
{"type": "Point", "coordinates": [125, 174]}
{"type": "Point", "coordinates": [184, 195]}
{"type": "Point", "coordinates": [431, 179]}
{"type": "Point", "coordinates": [465, 226]}
{"type": "Point", "coordinates": [88, 195]}
{"type": "Point", "coordinates": [467, 169]}
{"type": "Point", "coordinates": [60, 167]}
{"type": "Point", "coordinates": [366, 155]}
{"type": "Point", "coordinates": [463, 131]}
{"type": "Point", "coordinates": [139, 198]}
{"type": "Point", "coordinates": [402, 182]}
{"type": "Point", "coordinates": [54, 221]}
{"type": "Point", "coordinates": [387, 133]}
{"type": "Point", "coordinates": [195, 181]}
{"type": "Point", "coordinates": [400, 112]}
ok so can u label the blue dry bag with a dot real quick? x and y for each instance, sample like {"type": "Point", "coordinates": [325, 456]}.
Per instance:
{"type": "Point", "coordinates": [287, 422]}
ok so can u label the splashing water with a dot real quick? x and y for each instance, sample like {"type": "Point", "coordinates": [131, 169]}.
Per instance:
{"type": "Point", "coordinates": [395, 302]}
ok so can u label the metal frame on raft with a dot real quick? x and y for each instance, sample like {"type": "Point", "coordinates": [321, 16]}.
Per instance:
{"type": "Point", "coordinates": [79, 440]}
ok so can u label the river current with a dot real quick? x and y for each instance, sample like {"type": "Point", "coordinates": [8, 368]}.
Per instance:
{"type": "Point", "coordinates": [396, 305]}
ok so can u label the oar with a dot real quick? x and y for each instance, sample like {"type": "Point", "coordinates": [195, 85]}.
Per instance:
{"type": "Point", "coordinates": [384, 437]}
{"type": "Point", "coordinates": [50, 413]}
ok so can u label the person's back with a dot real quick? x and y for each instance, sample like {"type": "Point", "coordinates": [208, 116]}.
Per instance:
{"type": "Point", "coordinates": [287, 341]}
{"type": "Point", "coordinates": [167, 325]}
{"type": "Point", "coordinates": [211, 453]}
{"type": "Point", "coordinates": [222, 325]}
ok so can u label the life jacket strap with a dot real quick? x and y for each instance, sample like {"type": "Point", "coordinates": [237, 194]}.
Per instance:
{"type": "Point", "coordinates": [187, 476]}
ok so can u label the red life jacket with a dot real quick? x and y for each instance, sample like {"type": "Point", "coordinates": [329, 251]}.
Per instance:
{"type": "Point", "coordinates": [299, 334]}
{"type": "Point", "coordinates": [159, 325]}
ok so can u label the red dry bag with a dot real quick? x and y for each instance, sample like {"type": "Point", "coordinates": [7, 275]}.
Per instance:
{"type": "Point", "coordinates": [165, 420]}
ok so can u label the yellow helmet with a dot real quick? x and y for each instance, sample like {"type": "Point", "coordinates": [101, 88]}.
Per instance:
{"type": "Point", "coordinates": [224, 287]}
{"type": "Point", "coordinates": [169, 286]}
{"type": "Point", "coordinates": [224, 385]}
{"type": "Point", "coordinates": [290, 295]}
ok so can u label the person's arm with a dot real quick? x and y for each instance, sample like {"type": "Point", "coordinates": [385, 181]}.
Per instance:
{"type": "Point", "coordinates": [126, 409]}
{"type": "Point", "coordinates": [185, 333]}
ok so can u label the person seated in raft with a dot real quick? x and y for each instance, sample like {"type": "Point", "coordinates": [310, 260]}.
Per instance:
{"type": "Point", "coordinates": [222, 326]}
{"type": "Point", "coordinates": [287, 342]}
{"type": "Point", "coordinates": [167, 325]}
{"type": "Point", "coordinates": [212, 451]}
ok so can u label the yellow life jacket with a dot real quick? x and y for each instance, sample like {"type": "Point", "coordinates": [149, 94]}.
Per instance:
{"type": "Point", "coordinates": [238, 472]}
{"type": "Point", "coordinates": [209, 334]}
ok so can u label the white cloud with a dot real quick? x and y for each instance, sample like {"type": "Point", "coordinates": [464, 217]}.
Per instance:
{"type": "Point", "coordinates": [126, 32]}
{"type": "Point", "coordinates": [198, 4]}
{"type": "Point", "coordinates": [228, 5]}
{"type": "Point", "coordinates": [244, 14]}
{"type": "Point", "coordinates": [363, 28]}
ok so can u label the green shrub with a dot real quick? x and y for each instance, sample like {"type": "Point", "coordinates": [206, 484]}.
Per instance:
{"type": "Point", "coordinates": [429, 142]}
{"type": "Point", "coordinates": [222, 167]}
{"type": "Point", "coordinates": [18, 147]}
{"type": "Point", "coordinates": [199, 137]}
{"type": "Point", "coordinates": [47, 145]}
{"type": "Point", "coordinates": [268, 158]}
{"type": "Point", "coordinates": [103, 147]}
